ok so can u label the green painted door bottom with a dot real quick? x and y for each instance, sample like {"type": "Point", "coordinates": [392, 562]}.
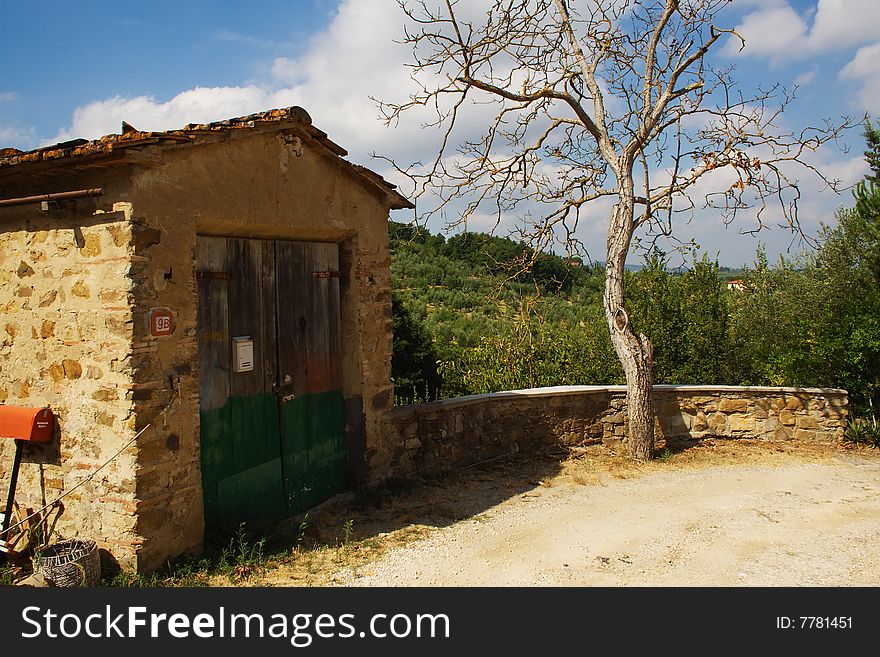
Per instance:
{"type": "Point", "coordinates": [273, 433]}
{"type": "Point", "coordinates": [249, 474]}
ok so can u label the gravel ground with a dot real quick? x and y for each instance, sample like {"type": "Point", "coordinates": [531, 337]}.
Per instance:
{"type": "Point", "coordinates": [788, 522]}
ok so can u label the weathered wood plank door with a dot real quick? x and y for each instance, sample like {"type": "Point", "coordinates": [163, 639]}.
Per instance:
{"type": "Point", "coordinates": [272, 437]}
{"type": "Point", "coordinates": [312, 408]}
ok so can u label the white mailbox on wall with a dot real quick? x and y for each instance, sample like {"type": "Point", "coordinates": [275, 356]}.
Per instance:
{"type": "Point", "coordinates": [242, 354]}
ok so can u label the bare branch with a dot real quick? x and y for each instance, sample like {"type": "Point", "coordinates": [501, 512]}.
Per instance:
{"type": "Point", "coordinates": [671, 6]}
{"type": "Point", "coordinates": [588, 72]}
{"type": "Point", "coordinates": [585, 102]}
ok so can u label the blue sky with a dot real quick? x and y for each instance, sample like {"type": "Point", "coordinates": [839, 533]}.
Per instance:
{"type": "Point", "coordinates": [63, 55]}
{"type": "Point", "coordinates": [76, 69]}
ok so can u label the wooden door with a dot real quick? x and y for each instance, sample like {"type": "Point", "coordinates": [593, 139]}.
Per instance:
{"type": "Point", "coordinates": [312, 409]}
{"type": "Point", "coordinates": [272, 441]}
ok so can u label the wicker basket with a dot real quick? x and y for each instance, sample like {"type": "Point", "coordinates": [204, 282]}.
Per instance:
{"type": "Point", "coordinates": [73, 562]}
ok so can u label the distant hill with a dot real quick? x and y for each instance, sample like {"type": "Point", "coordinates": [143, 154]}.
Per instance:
{"type": "Point", "coordinates": [479, 313]}
{"type": "Point", "coordinates": [474, 287]}
{"type": "Point", "coordinates": [473, 284]}
{"type": "Point", "coordinates": [628, 267]}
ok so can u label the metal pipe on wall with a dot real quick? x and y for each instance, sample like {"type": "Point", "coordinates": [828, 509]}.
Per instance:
{"type": "Point", "coordinates": [59, 196]}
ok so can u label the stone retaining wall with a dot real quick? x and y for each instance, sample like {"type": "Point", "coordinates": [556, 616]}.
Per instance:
{"type": "Point", "coordinates": [442, 435]}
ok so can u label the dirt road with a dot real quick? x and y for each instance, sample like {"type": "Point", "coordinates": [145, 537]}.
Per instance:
{"type": "Point", "coordinates": [772, 520]}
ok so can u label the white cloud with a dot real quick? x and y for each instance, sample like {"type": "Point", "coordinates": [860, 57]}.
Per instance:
{"type": "Point", "coordinates": [779, 32]}
{"type": "Point", "coordinates": [770, 31]}
{"type": "Point", "coordinates": [7, 96]}
{"type": "Point", "coordinates": [355, 58]}
{"type": "Point", "coordinates": [863, 70]}
{"type": "Point", "coordinates": [862, 63]}
{"type": "Point", "coordinates": [844, 23]}
{"type": "Point", "coordinates": [199, 105]}
{"type": "Point", "coordinates": [805, 78]}
{"type": "Point", "coordinates": [16, 136]}
{"type": "Point", "coordinates": [285, 69]}
{"type": "Point", "coordinates": [817, 205]}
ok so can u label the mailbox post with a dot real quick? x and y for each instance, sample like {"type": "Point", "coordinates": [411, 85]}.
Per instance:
{"type": "Point", "coordinates": [22, 425]}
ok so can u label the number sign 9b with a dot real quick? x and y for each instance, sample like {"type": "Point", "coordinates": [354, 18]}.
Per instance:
{"type": "Point", "coordinates": [161, 321]}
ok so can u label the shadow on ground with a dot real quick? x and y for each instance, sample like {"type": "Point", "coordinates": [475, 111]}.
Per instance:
{"type": "Point", "coordinates": [441, 500]}
{"type": "Point", "coordinates": [420, 501]}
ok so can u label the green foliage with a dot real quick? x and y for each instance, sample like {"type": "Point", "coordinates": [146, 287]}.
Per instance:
{"type": "Point", "coordinates": [863, 432]}
{"type": "Point", "coordinates": [815, 321]}
{"type": "Point", "coordinates": [768, 332]}
{"type": "Point", "coordinates": [457, 300]}
{"type": "Point", "coordinates": [242, 552]}
{"type": "Point", "coordinates": [482, 255]}
{"type": "Point", "coordinates": [347, 532]}
{"type": "Point", "coordinates": [301, 529]}
{"type": "Point", "coordinates": [237, 556]}
{"type": "Point", "coordinates": [7, 574]}
{"type": "Point", "coordinates": [414, 361]}
{"type": "Point", "coordinates": [655, 310]}
{"type": "Point", "coordinates": [862, 229]}
{"type": "Point", "coordinates": [398, 232]}
{"type": "Point", "coordinates": [872, 155]}
{"type": "Point", "coordinates": [532, 356]}
{"type": "Point", "coordinates": [846, 273]}
{"type": "Point", "coordinates": [493, 324]}
{"type": "Point", "coordinates": [707, 352]}
{"type": "Point", "coordinates": [686, 317]}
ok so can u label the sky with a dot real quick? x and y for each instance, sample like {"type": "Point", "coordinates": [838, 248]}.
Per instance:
{"type": "Point", "coordinates": [78, 69]}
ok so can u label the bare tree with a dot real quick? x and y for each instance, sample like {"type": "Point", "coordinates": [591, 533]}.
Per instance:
{"type": "Point", "coordinates": [616, 99]}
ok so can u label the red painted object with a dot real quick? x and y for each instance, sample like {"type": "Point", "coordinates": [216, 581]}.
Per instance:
{"type": "Point", "coordinates": [22, 423]}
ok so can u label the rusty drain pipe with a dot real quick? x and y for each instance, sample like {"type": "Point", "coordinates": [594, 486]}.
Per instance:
{"type": "Point", "coordinates": [59, 196]}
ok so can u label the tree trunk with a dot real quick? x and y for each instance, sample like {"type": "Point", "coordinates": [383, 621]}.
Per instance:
{"type": "Point", "coordinates": [636, 353]}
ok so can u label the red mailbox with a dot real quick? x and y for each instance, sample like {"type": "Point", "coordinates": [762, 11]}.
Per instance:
{"type": "Point", "coordinates": [20, 423]}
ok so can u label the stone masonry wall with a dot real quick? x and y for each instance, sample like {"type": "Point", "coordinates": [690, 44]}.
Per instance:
{"type": "Point", "coordinates": [77, 285]}
{"type": "Point", "coordinates": [266, 193]}
{"type": "Point", "coordinates": [65, 334]}
{"type": "Point", "coordinates": [166, 390]}
{"type": "Point", "coordinates": [438, 436]}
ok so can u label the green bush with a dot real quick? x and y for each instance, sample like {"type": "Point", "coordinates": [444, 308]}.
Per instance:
{"type": "Point", "coordinates": [863, 432]}
{"type": "Point", "coordinates": [414, 360]}
{"type": "Point", "coordinates": [810, 320]}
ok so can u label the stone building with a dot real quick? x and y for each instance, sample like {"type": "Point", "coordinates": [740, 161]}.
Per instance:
{"type": "Point", "coordinates": [222, 292]}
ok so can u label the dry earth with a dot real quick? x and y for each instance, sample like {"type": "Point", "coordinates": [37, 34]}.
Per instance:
{"type": "Point", "coordinates": [715, 514]}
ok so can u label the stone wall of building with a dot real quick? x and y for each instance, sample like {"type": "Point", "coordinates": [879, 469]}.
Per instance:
{"type": "Point", "coordinates": [65, 335]}
{"type": "Point", "coordinates": [76, 288]}
{"type": "Point", "coordinates": [252, 187]}
{"type": "Point", "coordinates": [438, 436]}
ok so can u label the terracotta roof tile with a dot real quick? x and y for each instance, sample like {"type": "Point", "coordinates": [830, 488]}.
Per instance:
{"type": "Point", "coordinates": [133, 138]}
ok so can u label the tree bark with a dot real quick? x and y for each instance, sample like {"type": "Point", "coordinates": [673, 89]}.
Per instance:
{"type": "Point", "coordinates": [636, 353]}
